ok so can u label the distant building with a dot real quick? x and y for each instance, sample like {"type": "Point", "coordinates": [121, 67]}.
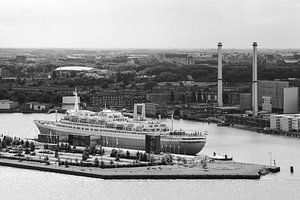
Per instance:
{"type": "Point", "coordinates": [267, 104]}
{"type": "Point", "coordinates": [288, 122]}
{"type": "Point", "coordinates": [21, 59]}
{"type": "Point", "coordinates": [158, 98]}
{"type": "Point", "coordinates": [151, 109]}
{"type": "Point", "coordinates": [116, 99]}
{"type": "Point", "coordinates": [108, 100]}
{"type": "Point", "coordinates": [6, 104]}
{"type": "Point", "coordinates": [4, 73]}
{"type": "Point", "coordinates": [68, 102]}
{"type": "Point", "coordinates": [189, 60]}
{"type": "Point", "coordinates": [35, 106]}
{"type": "Point", "coordinates": [281, 97]}
{"type": "Point", "coordinates": [69, 70]}
{"type": "Point", "coordinates": [245, 101]}
{"type": "Point", "coordinates": [290, 100]}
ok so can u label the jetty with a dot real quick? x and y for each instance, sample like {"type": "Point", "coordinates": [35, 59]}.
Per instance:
{"type": "Point", "coordinates": [213, 170]}
{"type": "Point", "coordinates": [115, 163]}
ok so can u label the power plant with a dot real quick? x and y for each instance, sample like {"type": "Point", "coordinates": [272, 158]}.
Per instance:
{"type": "Point", "coordinates": [254, 78]}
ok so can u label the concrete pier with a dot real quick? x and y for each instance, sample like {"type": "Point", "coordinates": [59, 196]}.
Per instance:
{"type": "Point", "coordinates": [213, 170]}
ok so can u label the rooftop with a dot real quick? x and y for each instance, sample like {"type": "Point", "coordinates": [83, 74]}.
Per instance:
{"type": "Point", "coordinates": [74, 68]}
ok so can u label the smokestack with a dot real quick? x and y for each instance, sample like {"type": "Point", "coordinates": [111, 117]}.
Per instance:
{"type": "Point", "coordinates": [220, 89]}
{"type": "Point", "coordinates": [254, 80]}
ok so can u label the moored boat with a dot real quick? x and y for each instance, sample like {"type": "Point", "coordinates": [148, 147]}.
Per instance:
{"type": "Point", "coordinates": [111, 128]}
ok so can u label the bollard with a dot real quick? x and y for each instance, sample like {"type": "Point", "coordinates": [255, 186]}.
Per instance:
{"type": "Point", "coordinates": [291, 169]}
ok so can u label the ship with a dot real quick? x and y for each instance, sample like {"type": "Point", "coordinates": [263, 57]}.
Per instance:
{"type": "Point", "coordinates": [110, 128]}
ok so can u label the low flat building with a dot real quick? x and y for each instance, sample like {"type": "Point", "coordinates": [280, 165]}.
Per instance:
{"type": "Point", "coordinates": [35, 106]}
{"type": "Point", "coordinates": [285, 122]}
{"type": "Point", "coordinates": [6, 104]}
{"type": "Point", "coordinates": [68, 102]}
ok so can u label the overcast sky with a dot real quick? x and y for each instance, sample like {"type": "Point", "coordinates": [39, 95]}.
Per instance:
{"type": "Point", "coordinates": [150, 23]}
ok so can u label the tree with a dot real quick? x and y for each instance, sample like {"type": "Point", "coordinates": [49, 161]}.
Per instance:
{"type": "Point", "coordinates": [193, 97]}
{"type": "Point", "coordinates": [72, 74]}
{"type": "Point", "coordinates": [102, 164]}
{"type": "Point", "coordinates": [111, 162]}
{"type": "Point", "coordinates": [31, 146]}
{"type": "Point", "coordinates": [85, 155]}
{"type": "Point", "coordinates": [96, 162]}
{"type": "Point", "coordinates": [7, 140]}
{"type": "Point", "coordinates": [26, 144]}
{"type": "Point", "coordinates": [172, 96]}
{"type": "Point", "coordinates": [199, 97]}
{"type": "Point", "coordinates": [53, 75]}
{"type": "Point", "coordinates": [56, 155]}
{"type": "Point", "coordinates": [182, 98]}
{"type": "Point", "coordinates": [149, 85]}
{"type": "Point", "coordinates": [46, 158]}
{"type": "Point", "coordinates": [66, 163]}
{"type": "Point", "coordinates": [127, 154]}
{"type": "Point", "coordinates": [3, 144]}
{"type": "Point", "coordinates": [21, 98]}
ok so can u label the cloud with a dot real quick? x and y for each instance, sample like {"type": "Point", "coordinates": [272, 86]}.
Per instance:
{"type": "Point", "coordinates": [149, 23]}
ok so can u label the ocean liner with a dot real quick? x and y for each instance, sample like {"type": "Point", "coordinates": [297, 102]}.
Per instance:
{"type": "Point", "coordinates": [111, 128]}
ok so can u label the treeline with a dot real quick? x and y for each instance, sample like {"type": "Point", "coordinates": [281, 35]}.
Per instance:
{"type": "Point", "coordinates": [22, 96]}
{"type": "Point", "coordinates": [231, 74]}
{"type": "Point", "coordinates": [172, 72]}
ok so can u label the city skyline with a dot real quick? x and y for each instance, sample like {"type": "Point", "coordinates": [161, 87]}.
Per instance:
{"type": "Point", "coordinates": [149, 24]}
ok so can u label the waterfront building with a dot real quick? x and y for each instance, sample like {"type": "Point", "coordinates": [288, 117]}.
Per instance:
{"type": "Point", "coordinates": [35, 106]}
{"type": "Point", "coordinates": [290, 100]}
{"type": "Point", "coordinates": [151, 109]}
{"type": "Point", "coordinates": [285, 122]}
{"type": "Point", "coordinates": [158, 98]}
{"type": "Point", "coordinates": [267, 104]}
{"type": "Point", "coordinates": [282, 98]}
{"type": "Point", "coordinates": [6, 104]}
{"type": "Point", "coordinates": [68, 102]}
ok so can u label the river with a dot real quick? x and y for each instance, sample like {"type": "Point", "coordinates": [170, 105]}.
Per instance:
{"type": "Point", "coordinates": [243, 145]}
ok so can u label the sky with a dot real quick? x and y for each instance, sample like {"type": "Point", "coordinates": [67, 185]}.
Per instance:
{"type": "Point", "coordinates": [149, 23]}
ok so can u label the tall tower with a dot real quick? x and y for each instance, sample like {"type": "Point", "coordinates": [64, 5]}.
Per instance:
{"type": "Point", "coordinates": [254, 80]}
{"type": "Point", "coordinates": [220, 87]}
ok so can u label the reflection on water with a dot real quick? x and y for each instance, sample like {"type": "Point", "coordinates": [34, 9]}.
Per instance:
{"type": "Point", "coordinates": [243, 145]}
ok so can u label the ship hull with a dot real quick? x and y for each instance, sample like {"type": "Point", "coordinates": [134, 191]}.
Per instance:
{"type": "Point", "coordinates": [53, 134]}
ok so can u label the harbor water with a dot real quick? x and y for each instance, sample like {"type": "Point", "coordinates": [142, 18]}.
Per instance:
{"type": "Point", "coordinates": [243, 145]}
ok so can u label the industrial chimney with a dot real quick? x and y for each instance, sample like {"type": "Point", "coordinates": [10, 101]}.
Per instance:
{"type": "Point", "coordinates": [220, 90]}
{"type": "Point", "coordinates": [254, 80]}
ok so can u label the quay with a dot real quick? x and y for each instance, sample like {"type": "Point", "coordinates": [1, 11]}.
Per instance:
{"type": "Point", "coordinates": [213, 170]}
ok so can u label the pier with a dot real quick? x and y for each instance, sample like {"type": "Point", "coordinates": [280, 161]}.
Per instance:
{"type": "Point", "coordinates": [192, 169]}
